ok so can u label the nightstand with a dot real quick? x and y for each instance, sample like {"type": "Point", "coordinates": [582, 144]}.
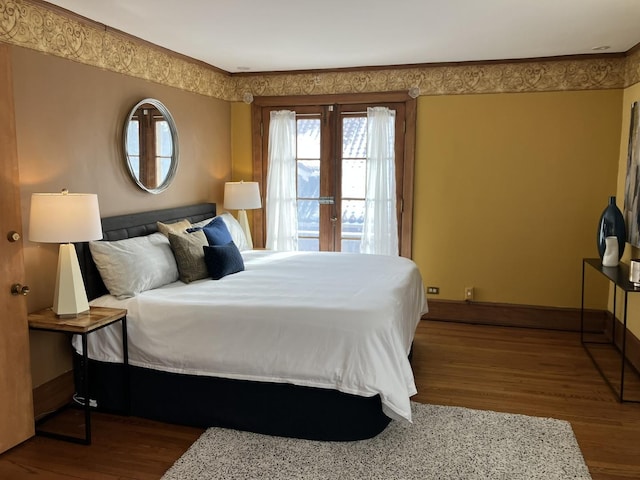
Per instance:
{"type": "Point", "coordinates": [84, 324]}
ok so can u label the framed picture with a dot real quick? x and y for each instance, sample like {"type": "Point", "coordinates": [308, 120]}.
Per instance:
{"type": "Point", "coordinates": [632, 183]}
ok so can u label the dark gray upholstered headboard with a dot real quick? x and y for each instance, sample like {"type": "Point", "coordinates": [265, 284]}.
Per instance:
{"type": "Point", "coordinates": [133, 225]}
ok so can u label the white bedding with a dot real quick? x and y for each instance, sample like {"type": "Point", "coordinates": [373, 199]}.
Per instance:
{"type": "Point", "coordinates": [327, 320]}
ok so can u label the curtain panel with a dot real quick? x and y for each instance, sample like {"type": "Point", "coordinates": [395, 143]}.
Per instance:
{"type": "Point", "coordinates": [380, 230]}
{"type": "Point", "coordinates": [281, 199]}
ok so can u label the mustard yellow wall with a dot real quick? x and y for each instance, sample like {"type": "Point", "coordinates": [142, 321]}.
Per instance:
{"type": "Point", "coordinates": [241, 151]}
{"type": "Point", "coordinates": [241, 160]}
{"type": "Point", "coordinates": [631, 94]}
{"type": "Point", "coordinates": [508, 191]}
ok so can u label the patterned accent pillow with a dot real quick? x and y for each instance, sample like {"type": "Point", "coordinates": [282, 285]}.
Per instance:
{"type": "Point", "coordinates": [187, 248]}
{"type": "Point", "coordinates": [223, 260]}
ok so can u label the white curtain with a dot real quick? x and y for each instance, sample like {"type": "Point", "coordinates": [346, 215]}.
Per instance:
{"type": "Point", "coordinates": [380, 235]}
{"type": "Point", "coordinates": [281, 200]}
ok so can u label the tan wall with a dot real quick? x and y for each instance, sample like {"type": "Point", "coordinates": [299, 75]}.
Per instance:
{"type": "Point", "coordinates": [69, 120]}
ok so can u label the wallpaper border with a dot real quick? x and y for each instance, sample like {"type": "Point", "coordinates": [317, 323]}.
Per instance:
{"type": "Point", "coordinates": [32, 25]}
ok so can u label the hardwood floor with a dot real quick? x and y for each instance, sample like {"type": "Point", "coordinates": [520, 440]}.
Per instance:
{"type": "Point", "coordinates": [517, 370]}
{"type": "Point", "coordinates": [533, 372]}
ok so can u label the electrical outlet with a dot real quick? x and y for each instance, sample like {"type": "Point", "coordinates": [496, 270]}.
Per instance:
{"type": "Point", "coordinates": [468, 294]}
{"type": "Point", "coordinates": [433, 290]}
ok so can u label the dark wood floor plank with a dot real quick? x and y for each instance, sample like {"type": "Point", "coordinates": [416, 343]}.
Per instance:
{"type": "Point", "coordinates": [515, 370]}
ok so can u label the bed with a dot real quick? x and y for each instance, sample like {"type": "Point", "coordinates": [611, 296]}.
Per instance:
{"type": "Point", "coordinates": [294, 345]}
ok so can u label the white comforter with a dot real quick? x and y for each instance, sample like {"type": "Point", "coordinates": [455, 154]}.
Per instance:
{"type": "Point", "coordinates": [327, 320]}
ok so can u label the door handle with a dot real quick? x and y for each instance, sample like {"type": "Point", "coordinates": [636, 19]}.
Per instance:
{"type": "Point", "coordinates": [17, 289]}
{"type": "Point", "coordinates": [13, 236]}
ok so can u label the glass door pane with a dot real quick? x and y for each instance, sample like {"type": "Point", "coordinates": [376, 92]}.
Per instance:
{"type": "Point", "coordinates": [353, 182]}
{"type": "Point", "coordinates": [164, 148]}
{"type": "Point", "coordinates": [308, 182]}
{"type": "Point", "coordinates": [133, 145]}
{"type": "Point", "coordinates": [331, 168]}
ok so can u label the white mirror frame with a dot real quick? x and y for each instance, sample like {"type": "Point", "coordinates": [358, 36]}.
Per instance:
{"type": "Point", "coordinates": [174, 139]}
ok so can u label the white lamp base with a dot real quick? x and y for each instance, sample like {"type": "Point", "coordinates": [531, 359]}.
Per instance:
{"type": "Point", "coordinates": [244, 223]}
{"type": "Point", "coordinates": [70, 298]}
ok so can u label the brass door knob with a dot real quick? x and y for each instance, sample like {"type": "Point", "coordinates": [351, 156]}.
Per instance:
{"type": "Point", "coordinates": [17, 289]}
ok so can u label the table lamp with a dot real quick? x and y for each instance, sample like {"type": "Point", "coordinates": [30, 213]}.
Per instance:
{"type": "Point", "coordinates": [242, 196]}
{"type": "Point", "coordinates": [65, 218]}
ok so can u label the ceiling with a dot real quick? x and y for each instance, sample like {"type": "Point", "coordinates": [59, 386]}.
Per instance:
{"type": "Point", "coordinates": [285, 35]}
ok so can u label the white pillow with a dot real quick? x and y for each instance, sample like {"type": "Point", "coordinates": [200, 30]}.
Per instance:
{"type": "Point", "coordinates": [133, 265]}
{"type": "Point", "coordinates": [237, 234]}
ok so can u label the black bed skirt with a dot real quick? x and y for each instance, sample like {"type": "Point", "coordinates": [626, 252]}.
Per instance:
{"type": "Point", "coordinates": [269, 408]}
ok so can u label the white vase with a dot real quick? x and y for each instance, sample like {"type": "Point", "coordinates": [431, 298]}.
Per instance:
{"type": "Point", "coordinates": [610, 257]}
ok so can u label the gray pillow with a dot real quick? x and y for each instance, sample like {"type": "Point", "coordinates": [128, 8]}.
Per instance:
{"type": "Point", "coordinates": [187, 248]}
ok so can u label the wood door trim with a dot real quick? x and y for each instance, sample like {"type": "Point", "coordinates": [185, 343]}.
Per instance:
{"type": "Point", "coordinates": [259, 109]}
{"type": "Point", "coordinates": [510, 315]}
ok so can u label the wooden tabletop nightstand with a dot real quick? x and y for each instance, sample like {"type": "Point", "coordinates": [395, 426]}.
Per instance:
{"type": "Point", "coordinates": [85, 323]}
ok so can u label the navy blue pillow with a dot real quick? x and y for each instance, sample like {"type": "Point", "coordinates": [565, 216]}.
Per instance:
{"type": "Point", "coordinates": [223, 260]}
{"type": "Point", "coordinates": [216, 232]}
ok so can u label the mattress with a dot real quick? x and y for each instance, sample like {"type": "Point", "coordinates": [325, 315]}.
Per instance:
{"type": "Point", "coordinates": [327, 320]}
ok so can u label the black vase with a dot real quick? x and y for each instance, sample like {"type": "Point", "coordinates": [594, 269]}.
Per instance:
{"type": "Point", "coordinates": [612, 225]}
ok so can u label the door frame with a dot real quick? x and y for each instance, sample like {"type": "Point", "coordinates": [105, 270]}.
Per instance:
{"type": "Point", "coordinates": [259, 142]}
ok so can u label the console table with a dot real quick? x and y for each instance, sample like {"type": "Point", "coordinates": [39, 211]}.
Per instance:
{"type": "Point", "coordinates": [619, 276]}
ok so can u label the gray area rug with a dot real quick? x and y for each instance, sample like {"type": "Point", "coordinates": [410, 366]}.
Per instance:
{"type": "Point", "coordinates": [442, 443]}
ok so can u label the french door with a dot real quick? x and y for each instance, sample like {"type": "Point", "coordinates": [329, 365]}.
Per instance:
{"type": "Point", "coordinates": [331, 152]}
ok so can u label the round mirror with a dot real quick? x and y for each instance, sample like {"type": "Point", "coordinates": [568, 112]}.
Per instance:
{"type": "Point", "coordinates": [151, 145]}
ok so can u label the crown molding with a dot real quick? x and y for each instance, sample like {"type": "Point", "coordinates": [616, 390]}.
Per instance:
{"type": "Point", "coordinates": [632, 67]}
{"type": "Point", "coordinates": [39, 26]}
{"type": "Point", "coordinates": [538, 76]}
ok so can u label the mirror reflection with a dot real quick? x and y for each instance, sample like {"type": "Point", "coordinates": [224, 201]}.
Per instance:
{"type": "Point", "coordinates": [151, 145]}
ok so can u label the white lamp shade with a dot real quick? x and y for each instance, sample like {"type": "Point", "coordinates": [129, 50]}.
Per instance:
{"type": "Point", "coordinates": [241, 196]}
{"type": "Point", "coordinates": [64, 217]}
